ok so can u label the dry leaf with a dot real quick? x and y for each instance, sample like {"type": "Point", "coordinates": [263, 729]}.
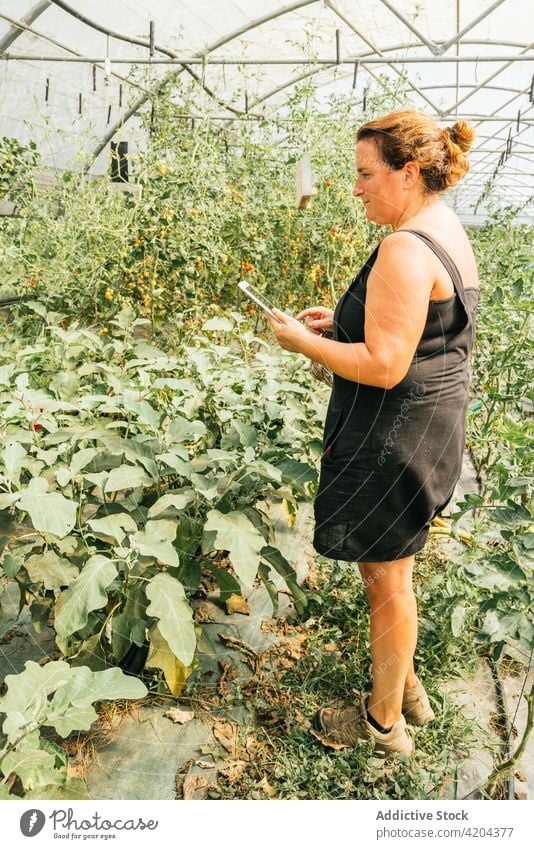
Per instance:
{"type": "Point", "coordinates": [206, 612]}
{"type": "Point", "coordinates": [161, 657]}
{"type": "Point", "coordinates": [233, 771]}
{"type": "Point", "coordinates": [267, 788]}
{"type": "Point", "coordinates": [179, 716]}
{"type": "Point", "coordinates": [239, 644]}
{"type": "Point", "coordinates": [253, 746]}
{"type": "Point", "coordinates": [294, 645]}
{"type": "Point", "coordinates": [226, 733]}
{"type": "Point", "coordinates": [237, 604]}
{"type": "Point", "coordinates": [195, 786]}
{"type": "Point", "coordinates": [302, 721]}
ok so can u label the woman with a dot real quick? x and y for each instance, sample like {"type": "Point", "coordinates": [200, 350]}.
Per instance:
{"type": "Point", "coordinates": [395, 428]}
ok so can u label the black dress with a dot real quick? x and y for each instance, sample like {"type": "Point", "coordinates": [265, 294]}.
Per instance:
{"type": "Point", "coordinates": [392, 457]}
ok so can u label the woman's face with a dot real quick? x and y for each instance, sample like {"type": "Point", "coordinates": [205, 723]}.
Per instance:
{"type": "Point", "coordinates": [381, 189]}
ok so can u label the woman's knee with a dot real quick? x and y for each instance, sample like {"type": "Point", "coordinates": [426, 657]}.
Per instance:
{"type": "Point", "coordinates": [383, 581]}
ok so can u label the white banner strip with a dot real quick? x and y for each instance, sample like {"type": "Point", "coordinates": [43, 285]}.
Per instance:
{"type": "Point", "coordinates": [267, 824]}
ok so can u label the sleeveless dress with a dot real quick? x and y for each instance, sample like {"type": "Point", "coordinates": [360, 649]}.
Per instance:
{"type": "Point", "coordinates": [392, 457]}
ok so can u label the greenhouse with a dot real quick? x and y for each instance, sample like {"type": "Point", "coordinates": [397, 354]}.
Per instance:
{"type": "Point", "coordinates": [242, 526]}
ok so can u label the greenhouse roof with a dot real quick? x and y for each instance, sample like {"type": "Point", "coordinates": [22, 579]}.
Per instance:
{"type": "Point", "coordinates": [76, 74]}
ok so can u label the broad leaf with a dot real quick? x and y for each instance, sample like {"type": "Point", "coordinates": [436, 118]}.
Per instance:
{"type": "Point", "coordinates": [182, 430]}
{"type": "Point", "coordinates": [227, 583]}
{"type": "Point", "coordinates": [494, 574]}
{"type": "Point", "coordinates": [81, 459]}
{"type": "Point", "coordinates": [113, 526]}
{"type": "Point", "coordinates": [161, 657]}
{"type": "Point", "coordinates": [25, 701]}
{"type": "Point", "coordinates": [218, 323]}
{"type": "Point", "coordinates": [235, 533]}
{"type": "Point", "coordinates": [126, 477]}
{"type": "Point", "coordinates": [50, 512]}
{"type": "Point", "coordinates": [277, 560]}
{"type": "Point", "coordinates": [170, 606]}
{"type": "Point", "coordinates": [74, 788]}
{"type": "Point", "coordinates": [33, 766]}
{"type": "Point", "coordinates": [54, 572]}
{"type": "Point", "coordinates": [71, 706]}
{"type": "Point", "coordinates": [13, 456]}
{"type": "Point", "coordinates": [172, 502]}
{"type": "Point", "coordinates": [150, 545]}
{"type": "Point", "coordinates": [86, 593]}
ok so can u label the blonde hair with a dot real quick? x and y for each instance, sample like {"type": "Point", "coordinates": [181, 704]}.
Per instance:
{"type": "Point", "coordinates": [411, 136]}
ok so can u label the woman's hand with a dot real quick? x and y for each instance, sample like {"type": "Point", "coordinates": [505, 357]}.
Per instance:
{"type": "Point", "coordinates": [289, 332]}
{"type": "Point", "coordinates": [318, 318]}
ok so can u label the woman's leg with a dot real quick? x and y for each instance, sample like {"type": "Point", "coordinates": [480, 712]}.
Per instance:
{"type": "Point", "coordinates": [393, 634]}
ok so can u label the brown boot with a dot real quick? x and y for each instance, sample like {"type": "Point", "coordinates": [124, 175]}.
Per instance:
{"type": "Point", "coordinates": [342, 729]}
{"type": "Point", "coordinates": [416, 707]}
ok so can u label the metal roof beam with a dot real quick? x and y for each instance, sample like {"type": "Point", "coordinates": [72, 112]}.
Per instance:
{"type": "Point", "coordinates": [490, 78]}
{"type": "Point", "coordinates": [271, 16]}
{"type": "Point", "coordinates": [432, 46]}
{"type": "Point", "coordinates": [459, 35]}
{"type": "Point", "coordinates": [349, 60]}
{"type": "Point", "coordinates": [142, 43]}
{"type": "Point", "coordinates": [26, 28]}
{"type": "Point", "coordinates": [379, 52]}
{"type": "Point", "coordinates": [28, 19]}
{"type": "Point", "coordinates": [172, 76]}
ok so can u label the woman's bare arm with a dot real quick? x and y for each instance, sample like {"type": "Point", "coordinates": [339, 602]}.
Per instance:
{"type": "Point", "coordinates": [396, 309]}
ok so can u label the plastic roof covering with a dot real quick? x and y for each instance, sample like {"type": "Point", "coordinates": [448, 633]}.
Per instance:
{"type": "Point", "coordinates": [42, 99]}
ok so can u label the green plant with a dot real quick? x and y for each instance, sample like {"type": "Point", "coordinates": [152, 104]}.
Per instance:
{"type": "Point", "coordinates": [214, 204]}
{"type": "Point", "coordinates": [136, 471]}
{"type": "Point", "coordinates": [59, 697]}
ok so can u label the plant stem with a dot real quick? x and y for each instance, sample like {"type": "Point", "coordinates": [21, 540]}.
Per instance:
{"type": "Point", "coordinates": [508, 765]}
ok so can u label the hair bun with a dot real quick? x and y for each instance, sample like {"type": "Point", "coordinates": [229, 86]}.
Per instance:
{"type": "Point", "coordinates": [462, 134]}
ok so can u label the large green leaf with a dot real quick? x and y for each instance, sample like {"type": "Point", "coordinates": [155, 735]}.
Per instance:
{"type": "Point", "coordinates": [81, 459]}
{"type": "Point", "coordinates": [86, 593]}
{"type": "Point", "coordinates": [129, 625]}
{"type": "Point", "coordinates": [168, 604]}
{"type": "Point", "coordinates": [145, 413]}
{"type": "Point", "coordinates": [74, 788]}
{"type": "Point", "coordinates": [218, 323]}
{"type": "Point", "coordinates": [296, 472]}
{"type": "Point", "coordinates": [162, 528]}
{"type": "Point", "coordinates": [235, 533]}
{"type": "Point", "coordinates": [50, 512]}
{"type": "Point", "coordinates": [277, 560]}
{"type": "Point", "coordinates": [113, 525]}
{"type": "Point", "coordinates": [512, 516]}
{"type": "Point", "coordinates": [182, 430]}
{"type": "Point", "coordinates": [71, 706]}
{"type": "Point", "coordinates": [13, 456]}
{"type": "Point", "coordinates": [493, 573]}
{"type": "Point", "coordinates": [227, 583]}
{"type": "Point", "coordinates": [152, 545]}
{"type": "Point", "coordinates": [172, 502]}
{"type": "Point", "coordinates": [34, 767]}
{"type": "Point", "coordinates": [53, 571]}
{"type": "Point", "coordinates": [126, 477]}
{"type": "Point", "coordinates": [25, 701]}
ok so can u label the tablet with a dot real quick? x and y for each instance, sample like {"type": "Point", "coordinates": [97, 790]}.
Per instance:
{"type": "Point", "coordinates": [257, 296]}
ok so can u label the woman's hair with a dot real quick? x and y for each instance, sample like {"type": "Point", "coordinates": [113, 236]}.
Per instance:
{"type": "Point", "coordinates": [410, 136]}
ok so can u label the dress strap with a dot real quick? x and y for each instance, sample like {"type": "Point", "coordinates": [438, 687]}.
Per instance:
{"type": "Point", "coordinates": [447, 261]}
